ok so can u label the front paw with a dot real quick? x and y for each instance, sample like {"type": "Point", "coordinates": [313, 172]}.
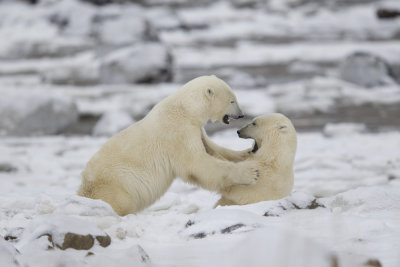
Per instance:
{"type": "Point", "coordinates": [248, 174]}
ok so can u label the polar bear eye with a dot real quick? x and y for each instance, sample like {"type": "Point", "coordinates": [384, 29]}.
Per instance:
{"type": "Point", "coordinates": [232, 102]}
{"type": "Point", "coordinates": [254, 124]}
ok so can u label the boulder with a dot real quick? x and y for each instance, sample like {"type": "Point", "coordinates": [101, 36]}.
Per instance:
{"type": "Point", "coordinates": [82, 69]}
{"type": "Point", "coordinates": [141, 63]}
{"type": "Point", "coordinates": [64, 232]}
{"type": "Point", "coordinates": [366, 69]}
{"type": "Point", "coordinates": [33, 113]}
{"type": "Point", "coordinates": [122, 30]}
{"type": "Point", "coordinates": [112, 122]}
{"type": "Point", "coordinates": [387, 13]}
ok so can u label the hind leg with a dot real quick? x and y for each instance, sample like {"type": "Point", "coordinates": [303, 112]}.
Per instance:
{"type": "Point", "coordinates": [119, 199]}
{"type": "Point", "coordinates": [224, 202]}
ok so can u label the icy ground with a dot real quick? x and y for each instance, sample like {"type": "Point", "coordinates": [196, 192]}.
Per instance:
{"type": "Point", "coordinates": [345, 209]}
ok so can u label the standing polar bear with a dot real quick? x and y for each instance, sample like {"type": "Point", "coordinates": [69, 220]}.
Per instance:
{"type": "Point", "coordinates": [275, 145]}
{"type": "Point", "coordinates": [136, 166]}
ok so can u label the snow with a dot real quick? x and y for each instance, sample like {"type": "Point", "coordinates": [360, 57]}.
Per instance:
{"type": "Point", "coordinates": [33, 113]}
{"type": "Point", "coordinates": [112, 122]}
{"type": "Point", "coordinates": [358, 187]}
{"type": "Point", "coordinates": [343, 129]}
{"type": "Point", "coordinates": [139, 63]}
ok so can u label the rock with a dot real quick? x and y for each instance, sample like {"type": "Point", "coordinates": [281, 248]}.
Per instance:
{"type": "Point", "coordinates": [373, 263]}
{"type": "Point", "coordinates": [385, 13]}
{"type": "Point", "coordinates": [78, 17]}
{"type": "Point", "coordinates": [8, 254]}
{"type": "Point", "coordinates": [122, 30]}
{"type": "Point", "coordinates": [76, 241]}
{"type": "Point", "coordinates": [14, 234]}
{"type": "Point", "coordinates": [33, 113]}
{"type": "Point", "coordinates": [141, 63]}
{"type": "Point", "coordinates": [65, 232]}
{"type": "Point", "coordinates": [104, 241]}
{"type": "Point", "coordinates": [112, 122]}
{"type": "Point", "coordinates": [80, 70]}
{"type": "Point", "coordinates": [7, 167]}
{"type": "Point", "coordinates": [366, 70]}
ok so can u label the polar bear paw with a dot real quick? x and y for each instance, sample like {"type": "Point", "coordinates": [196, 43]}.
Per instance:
{"type": "Point", "coordinates": [247, 174]}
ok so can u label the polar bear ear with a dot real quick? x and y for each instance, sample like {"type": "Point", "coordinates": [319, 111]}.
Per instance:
{"type": "Point", "coordinates": [210, 93]}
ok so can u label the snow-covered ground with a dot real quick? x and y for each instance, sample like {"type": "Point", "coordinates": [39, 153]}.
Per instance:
{"type": "Point", "coordinates": [344, 208]}
{"type": "Point", "coordinates": [72, 73]}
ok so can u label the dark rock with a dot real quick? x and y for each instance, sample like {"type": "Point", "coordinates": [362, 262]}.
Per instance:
{"type": "Point", "coordinates": [334, 261]}
{"type": "Point", "coordinates": [199, 235]}
{"type": "Point", "coordinates": [64, 232]}
{"type": "Point", "coordinates": [7, 167]}
{"type": "Point", "coordinates": [386, 13]}
{"type": "Point", "coordinates": [104, 241]}
{"type": "Point", "coordinates": [291, 203]}
{"type": "Point", "coordinates": [101, 2]}
{"type": "Point", "coordinates": [314, 204]}
{"type": "Point", "coordinates": [14, 234]}
{"type": "Point", "coordinates": [76, 241]}
{"type": "Point", "coordinates": [189, 223]}
{"type": "Point", "coordinates": [268, 214]}
{"type": "Point", "coordinates": [232, 228]}
{"type": "Point", "coordinates": [366, 70]}
{"type": "Point", "coordinates": [373, 263]}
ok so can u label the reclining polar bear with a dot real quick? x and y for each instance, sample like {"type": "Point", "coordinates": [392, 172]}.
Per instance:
{"type": "Point", "coordinates": [136, 166]}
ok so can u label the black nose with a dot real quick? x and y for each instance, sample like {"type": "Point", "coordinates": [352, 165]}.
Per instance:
{"type": "Point", "coordinates": [238, 132]}
{"type": "Point", "coordinates": [241, 116]}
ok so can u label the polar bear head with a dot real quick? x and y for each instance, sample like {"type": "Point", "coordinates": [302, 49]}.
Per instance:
{"type": "Point", "coordinates": [272, 132]}
{"type": "Point", "coordinates": [215, 100]}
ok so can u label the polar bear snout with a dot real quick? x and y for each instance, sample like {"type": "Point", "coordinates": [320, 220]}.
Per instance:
{"type": "Point", "coordinates": [242, 133]}
{"type": "Point", "coordinates": [227, 117]}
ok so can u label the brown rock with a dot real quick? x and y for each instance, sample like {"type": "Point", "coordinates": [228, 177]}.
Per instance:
{"type": "Point", "coordinates": [104, 241]}
{"type": "Point", "coordinates": [76, 241]}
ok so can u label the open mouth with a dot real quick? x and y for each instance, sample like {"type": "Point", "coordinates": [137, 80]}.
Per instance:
{"type": "Point", "coordinates": [255, 147]}
{"type": "Point", "coordinates": [227, 118]}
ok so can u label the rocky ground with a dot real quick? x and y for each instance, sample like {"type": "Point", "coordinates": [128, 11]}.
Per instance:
{"type": "Point", "coordinates": [73, 54]}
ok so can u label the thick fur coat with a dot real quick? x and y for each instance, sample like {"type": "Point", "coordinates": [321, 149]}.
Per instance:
{"type": "Point", "coordinates": [274, 148]}
{"type": "Point", "coordinates": [136, 166]}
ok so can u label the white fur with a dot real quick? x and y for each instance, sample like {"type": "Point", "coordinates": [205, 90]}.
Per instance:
{"type": "Point", "coordinates": [275, 136]}
{"type": "Point", "coordinates": [136, 166]}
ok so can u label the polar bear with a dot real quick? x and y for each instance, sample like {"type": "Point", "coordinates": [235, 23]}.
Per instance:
{"type": "Point", "coordinates": [275, 145]}
{"type": "Point", "coordinates": [136, 166]}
